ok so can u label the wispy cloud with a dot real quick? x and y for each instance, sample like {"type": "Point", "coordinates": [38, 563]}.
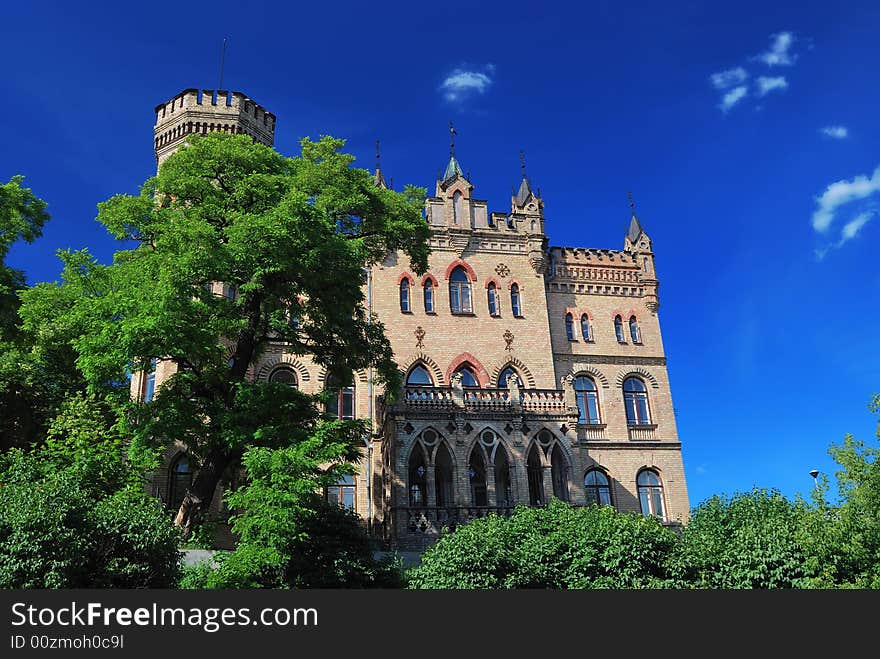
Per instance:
{"type": "Point", "coordinates": [836, 132]}
{"type": "Point", "coordinates": [734, 83]}
{"type": "Point", "coordinates": [729, 78]}
{"type": "Point", "coordinates": [767, 85]}
{"type": "Point", "coordinates": [843, 192]}
{"type": "Point", "coordinates": [733, 97]}
{"type": "Point", "coordinates": [849, 231]}
{"type": "Point", "coordinates": [780, 50]}
{"type": "Point", "coordinates": [461, 83]}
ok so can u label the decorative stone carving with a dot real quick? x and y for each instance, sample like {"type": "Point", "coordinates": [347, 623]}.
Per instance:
{"type": "Point", "coordinates": [508, 339]}
{"type": "Point", "coordinates": [502, 270]}
{"type": "Point", "coordinates": [420, 335]}
{"type": "Point", "coordinates": [457, 390]}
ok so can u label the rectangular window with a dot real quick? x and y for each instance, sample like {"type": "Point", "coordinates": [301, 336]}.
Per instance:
{"type": "Point", "coordinates": [347, 403]}
{"type": "Point", "coordinates": [466, 299]}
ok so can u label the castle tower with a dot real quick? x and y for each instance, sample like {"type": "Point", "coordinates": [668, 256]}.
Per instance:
{"type": "Point", "coordinates": [208, 110]}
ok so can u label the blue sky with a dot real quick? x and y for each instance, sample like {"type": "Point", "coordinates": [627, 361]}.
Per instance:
{"type": "Point", "coordinates": [747, 133]}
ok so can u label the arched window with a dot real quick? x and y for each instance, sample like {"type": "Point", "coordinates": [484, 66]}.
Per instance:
{"type": "Point", "coordinates": [634, 330]}
{"type": "Point", "coordinates": [343, 492]}
{"type": "Point", "coordinates": [492, 293]}
{"type": "Point", "coordinates": [515, 302]}
{"type": "Point", "coordinates": [150, 382]}
{"type": "Point", "coordinates": [468, 378]}
{"type": "Point", "coordinates": [457, 208]}
{"type": "Point", "coordinates": [651, 494]}
{"type": "Point", "coordinates": [460, 291]}
{"type": "Point", "coordinates": [283, 375]}
{"type": "Point", "coordinates": [179, 481]}
{"type": "Point", "coordinates": [429, 296]}
{"type": "Point", "coordinates": [340, 406]}
{"type": "Point", "coordinates": [417, 471]}
{"type": "Point", "coordinates": [559, 473]}
{"type": "Point", "coordinates": [585, 328]}
{"type": "Point", "coordinates": [404, 295]}
{"type": "Point", "coordinates": [597, 488]}
{"type": "Point", "coordinates": [535, 473]}
{"type": "Point", "coordinates": [506, 374]}
{"type": "Point", "coordinates": [635, 400]}
{"type": "Point", "coordinates": [477, 478]}
{"type": "Point", "coordinates": [618, 329]}
{"type": "Point", "coordinates": [569, 327]}
{"type": "Point", "coordinates": [443, 477]}
{"type": "Point", "coordinates": [419, 376]}
{"type": "Point", "coordinates": [587, 398]}
{"type": "Point", "coordinates": [503, 486]}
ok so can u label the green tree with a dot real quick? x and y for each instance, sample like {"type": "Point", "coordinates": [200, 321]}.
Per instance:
{"type": "Point", "coordinates": [74, 514]}
{"type": "Point", "coordinates": [752, 539]}
{"type": "Point", "coordinates": [554, 547]}
{"type": "Point", "coordinates": [288, 237]}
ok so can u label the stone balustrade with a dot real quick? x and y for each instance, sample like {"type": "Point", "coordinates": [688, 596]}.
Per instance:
{"type": "Point", "coordinates": [542, 401]}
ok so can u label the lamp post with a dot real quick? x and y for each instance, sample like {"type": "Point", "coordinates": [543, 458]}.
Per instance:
{"type": "Point", "coordinates": [815, 474]}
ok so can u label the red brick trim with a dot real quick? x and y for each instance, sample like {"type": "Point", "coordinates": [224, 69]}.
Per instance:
{"type": "Point", "coordinates": [492, 280]}
{"type": "Point", "coordinates": [478, 368]}
{"type": "Point", "coordinates": [512, 282]}
{"type": "Point", "coordinates": [406, 275]}
{"type": "Point", "coordinates": [467, 268]}
{"type": "Point", "coordinates": [431, 278]}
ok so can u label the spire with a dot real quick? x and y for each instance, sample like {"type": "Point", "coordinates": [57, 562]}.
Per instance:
{"type": "Point", "coordinates": [635, 227]}
{"type": "Point", "coordinates": [453, 169]}
{"type": "Point", "coordinates": [525, 188]}
{"type": "Point", "coordinates": [378, 178]}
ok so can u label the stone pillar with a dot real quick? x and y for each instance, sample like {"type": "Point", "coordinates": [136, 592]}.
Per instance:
{"type": "Point", "coordinates": [431, 490]}
{"type": "Point", "coordinates": [548, 483]}
{"type": "Point", "coordinates": [491, 496]}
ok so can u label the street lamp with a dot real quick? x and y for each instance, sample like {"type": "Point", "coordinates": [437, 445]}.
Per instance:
{"type": "Point", "coordinates": [815, 474]}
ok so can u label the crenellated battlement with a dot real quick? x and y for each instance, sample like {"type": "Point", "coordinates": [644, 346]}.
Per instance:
{"type": "Point", "coordinates": [206, 111]}
{"type": "Point", "coordinates": [581, 255]}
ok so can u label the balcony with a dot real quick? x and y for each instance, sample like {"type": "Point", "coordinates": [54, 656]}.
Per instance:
{"type": "Point", "coordinates": [540, 401]}
{"type": "Point", "coordinates": [431, 520]}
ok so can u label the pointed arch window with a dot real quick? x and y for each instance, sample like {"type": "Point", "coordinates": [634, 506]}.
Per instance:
{"type": "Point", "coordinates": [457, 208]}
{"type": "Point", "coordinates": [492, 293]}
{"type": "Point", "coordinates": [634, 330]}
{"type": "Point", "coordinates": [468, 377]}
{"type": "Point", "coordinates": [618, 329]}
{"type": "Point", "coordinates": [404, 295]}
{"type": "Point", "coordinates": [419, 376]}
{"type": "Point", "coordinates": [569, 327]}
{"type": "Point", "coordinates": [559, 473]}
{"type": "Point", "coordinates": [597, 488]}
{"type": "Point", "coordinates": [460, 291]}
{"type": "Point", "coordinates": [443, 477]}
{"type": "Point", "coordinates": [515, 301]}
{"type": "Point", "coordinates": [651, 494]}
{"type": "Point", "coordinates": [635, 400]}
{"type": "Point", "coordinates": [429, 296]}
{"type": "Point", "coordinates": [503, 484]}
{"type": "Point", "coordinates": [417, 482]}
{"type": "Point", "coordinates": [535, 473]}
{"type": "Point", "coordinates": [587, 397]}
{"type": "Point", "coordinates": [506, 374]}
{"type": "Point", "coordinates": [585, 328]}
{"type": "Point", "coordinates": [477, 478]}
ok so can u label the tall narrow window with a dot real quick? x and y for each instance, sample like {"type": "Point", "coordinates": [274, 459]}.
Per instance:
{"type": "Point", "coordinates": [460, 291]}
{"type": "Point", "coordinates": [457, 208]}
{"type": "Point", "coordinates": [634, 330]}
{"type": "Point", "coordinates": [404, 295]}
{"type": "Point", "coordinates": [651, 494]}
{"type": "Point", "coordinates": [587, 398]}
{"type": "Point", "coordinates": [429, 296]}
{"type": "Point", "coordinates": [515, 303]}
{"type": "Point", "coordinates": [569, 327]}
{"type": "Point", "coordinates": [559, 473]}
{"type": "Point", "coordinates": [635, 400]}
{"type": "Point", "coordinates": [618, 329]}
{"type": "Point", "coordinates": [341, 405]}
{"type": "Point", "coordinates": [150, 383]}
{"type": "Point", "coordinates": [179, 481]}
{"type": "Point", "coordinates": [343, 492]}
{"type": "Point", "coordinates": [443, 477]}
{"type": "Point", "coordinates": [585, 328]}
{"type": "Point", "coordinates": [417, 483]}
{"type": "Point", "coordinates": [535, 474]}
{"type": "Point", "coordinates": [477, 477]}
{"type": "Point", "coordinates": [597, 488]}
{"type": "Point", "coordinates": [493, 299]}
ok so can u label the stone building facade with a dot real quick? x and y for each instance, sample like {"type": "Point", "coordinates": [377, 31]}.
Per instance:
{"type": "Point", "coordinates": [530, 371]}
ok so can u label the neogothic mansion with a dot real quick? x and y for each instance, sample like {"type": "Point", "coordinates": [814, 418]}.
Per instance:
{"type": "Point", "coordinates": [531, 371]}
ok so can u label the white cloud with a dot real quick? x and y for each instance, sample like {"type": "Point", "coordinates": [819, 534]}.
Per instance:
{"type": "Point", "coordinates": [779, 53]}
{"type": "Point", "coordinates": [767, 85]}
{"type": "Point", "coordinates": [837, 132]}
{"type": "Point", "coordinates": [842, 192]}
{"type": "Point", "coordinates": [849, 231]}
{"type": "Point", "coordinates": [733, 97]}
{"type": "Point", "coordinates": [461, 83]}
{"type": "Point", "coordinates": [729, 78]}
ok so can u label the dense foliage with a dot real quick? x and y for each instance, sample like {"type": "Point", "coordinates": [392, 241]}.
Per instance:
{"type": "Point", "coordinates": [558, 546]}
